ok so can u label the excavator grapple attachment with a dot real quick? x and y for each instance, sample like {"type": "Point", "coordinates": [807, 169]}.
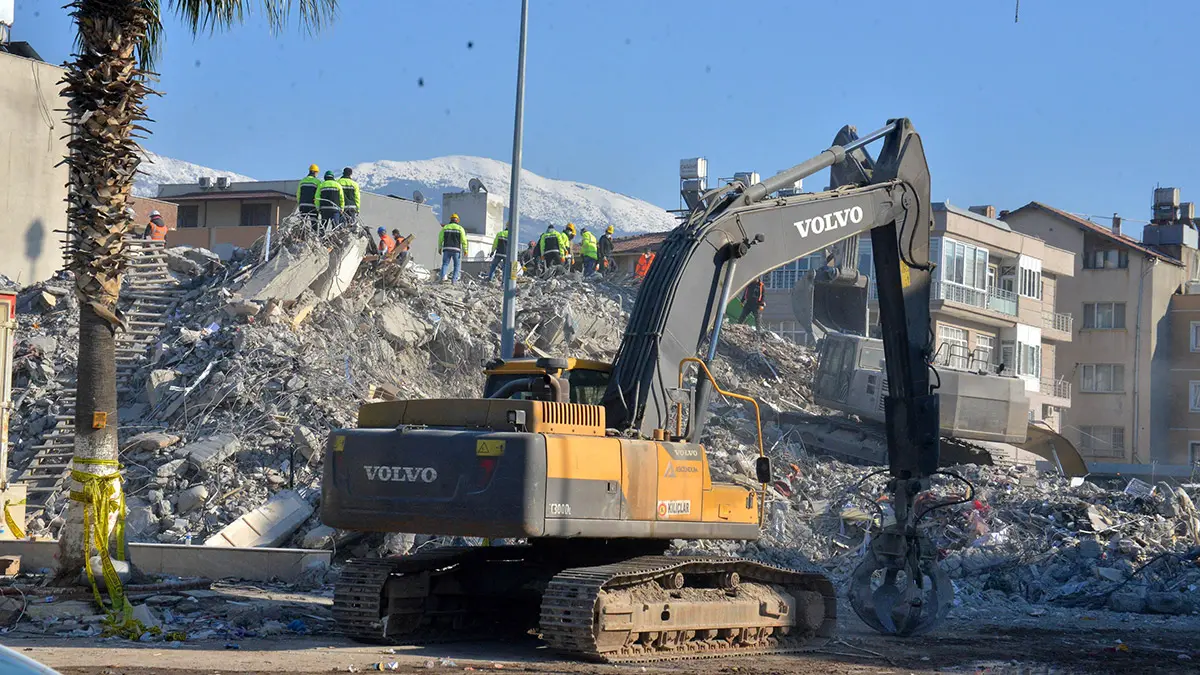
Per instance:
{"type": "Point", "coordinates": [898, 588]}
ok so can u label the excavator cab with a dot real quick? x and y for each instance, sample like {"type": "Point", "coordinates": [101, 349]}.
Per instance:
{"type": "Point", "coordinates": [527, 379]}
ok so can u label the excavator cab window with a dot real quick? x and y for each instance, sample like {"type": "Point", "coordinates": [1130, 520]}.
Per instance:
{"type": "Point", "coordinates": [587, 386]}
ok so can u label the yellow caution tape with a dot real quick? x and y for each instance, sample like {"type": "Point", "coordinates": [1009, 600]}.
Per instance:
{"type": "Point", "coordinates": [98, 496]}
{"type": "Point", "coordinates": [12, 524]}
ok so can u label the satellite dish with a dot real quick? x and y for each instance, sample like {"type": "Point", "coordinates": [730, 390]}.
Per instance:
{"type": "Point", "coordinates": [418, 197]}
{"type": "Point", "coordinates": [476, 185]}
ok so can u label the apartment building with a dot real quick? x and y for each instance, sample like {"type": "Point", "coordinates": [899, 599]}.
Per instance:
{"type": "Point", "coordinates": [1136, 351]}
{"type": "Point", "coordinates": [993, 303]}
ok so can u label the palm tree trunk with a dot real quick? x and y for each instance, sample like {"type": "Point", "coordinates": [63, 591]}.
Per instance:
{"type": "Point", "coordinates": [105, 91]}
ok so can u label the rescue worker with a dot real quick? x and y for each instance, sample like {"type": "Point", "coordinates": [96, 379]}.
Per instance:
{"type": "Point", "coordinates": [643, 264]}
{"type": "Point", "coordinates": [529, 256]}
{"type": "Point", "coordinates": [452, 244]}
{"type": "Point", "coordinates": [605, 250]}
{"type": "Point", "coordinates": [156, 229]}
{"type": "Point", "coordinates": [550, 246]}
{"type": "Point", "coordinates": [331, 199]}
{"type": "Point", "coordinates": [402, 246]}
{"type": "Point", "coordinates": [754, 300]}
{"type": "Point", "coordinates": [351, 194]}
{"type": "Point", "coordinates": [499, 252]}
{"type": "Point", "coordinates": [386, 242]}
{"type": "Point", "coordinates": [587, 249]}
{"type": "Point", "coordinates": [306, 193]}
{"type": "Point", "coordinates": [568, 250]}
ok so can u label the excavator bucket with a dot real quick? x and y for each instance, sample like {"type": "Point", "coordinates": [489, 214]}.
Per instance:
{"type": "Point", "coordinates": [823, 303]}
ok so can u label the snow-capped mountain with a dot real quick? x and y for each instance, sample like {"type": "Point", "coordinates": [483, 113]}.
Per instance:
{"type": "Point", "coordinates": [156, 170]}
{"type": "Point", "coordinates": [544, 201]}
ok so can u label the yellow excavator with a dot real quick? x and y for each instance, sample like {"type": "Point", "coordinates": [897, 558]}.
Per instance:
{"type": "Point", "coordinates": [596, 468]}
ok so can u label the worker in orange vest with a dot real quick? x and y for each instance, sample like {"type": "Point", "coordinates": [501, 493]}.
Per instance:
{"type": "Point", "coordinates": [754, 300]}
{"type": "Point", "coordinates": [156, 229]}
{"type": "Point", "coordinates": [643, 264]}
{"type": "Point", "coordinates": [386, 243]}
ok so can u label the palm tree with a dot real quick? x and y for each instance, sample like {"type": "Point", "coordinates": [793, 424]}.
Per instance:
{"type": "Point", "coordinates": [106, 88]}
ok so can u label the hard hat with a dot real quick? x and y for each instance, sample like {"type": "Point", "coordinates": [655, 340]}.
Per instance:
{"type": "Point", "coordinates": [313, 168]}
{"type": "Point", "coordinates": [154, 213]}
{"type": "Point", "coordinates": [328, 175]}
{"type": "Point", "coordinates": [609, 229]}
{"type": "Point", "coordinates": [570, 226]}
{"type": "Point", "coordinates": [381, 230]}
{"type": "Point", "coordinates": [454, 217]}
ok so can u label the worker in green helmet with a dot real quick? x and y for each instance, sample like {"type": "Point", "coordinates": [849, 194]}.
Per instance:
{"type": "Point", "coordinates": [330, 199]}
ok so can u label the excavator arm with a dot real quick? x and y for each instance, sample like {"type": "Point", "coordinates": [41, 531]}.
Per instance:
{"type": "Point", "coordinates": [740, 232]}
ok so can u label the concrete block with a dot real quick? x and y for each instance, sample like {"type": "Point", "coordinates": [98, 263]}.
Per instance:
{"type": "Point", "coordinates": [308, 443]}
{"type": "Point", "coordinates": [151, 440]}
{"type": "Point", "coordinates": [287, 275]}
{"type": "Point", "coordinates": [158, 386]}
{"type": "Point", "coordinates": [191, 498]}
{"type": "Point", "coordinates": [210, 451]}
{"type": "Point", "coordinates": [343, 265]}
{"type": "Point", "coordinates": [268, 525]}
{"type": "Point", "coordinates": [401, 327]}
{"type": "Point", "coordinates": [321, 536]}
{"type": "Point", "coordinates": [177, 262]}
{"type": "Point", "coordinates": [211, 562]}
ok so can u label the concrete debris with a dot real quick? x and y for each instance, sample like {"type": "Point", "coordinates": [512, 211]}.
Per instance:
{"type": "Point", "coordinates": [269, 525]}
{"type": "Point", "coordinates": [288, 274]}
{"type": "Point", "coordinates": [204, 454]}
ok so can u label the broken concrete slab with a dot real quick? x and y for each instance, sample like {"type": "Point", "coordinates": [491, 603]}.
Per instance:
{"type": "Point", "coordinates": [268, 525]}
{"type": "Point", "coordinates": [191, 498]}
{"type": "Point", "coordinates": [201, 256]}
{"type": "Point", "coordinates": [177, 262]}
{"type": "Point", "coordinates": [66, 609]}
{"type": "Point", "coordinates": [242, 308]}
{"type": "Point", "coordinates": [308, 443]}
{"type": "Point", "coordinates": [343, 264]}
{"type": "Point", "coordinates": [210, 451]}
{"type": "Point", "coordinates": [287, 275]}
{"type": "Point", "coordinates": [402, 327]}
{"type": "Point", "coordinates": [158, 385]}
{"type": "Point", "coordinates": [150, 440]}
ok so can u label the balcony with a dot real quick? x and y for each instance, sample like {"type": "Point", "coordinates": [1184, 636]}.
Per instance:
{"type": "Point", "coordinates": [994, 299]}
{"type": "Point", "coordinates": [1058, 321]}
{"type": "Point", "coordinates": [1056, 388]}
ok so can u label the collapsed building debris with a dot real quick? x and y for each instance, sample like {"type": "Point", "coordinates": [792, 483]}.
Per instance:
{"type": "Point", "coordinates": [224, 418]}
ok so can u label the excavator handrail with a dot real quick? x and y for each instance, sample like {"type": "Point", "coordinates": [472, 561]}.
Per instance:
{"type": "Point", "coordinates": [741, 397]}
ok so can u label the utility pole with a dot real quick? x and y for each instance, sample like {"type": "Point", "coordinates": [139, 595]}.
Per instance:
{"type": "Point", "coordinates": [509, 312]}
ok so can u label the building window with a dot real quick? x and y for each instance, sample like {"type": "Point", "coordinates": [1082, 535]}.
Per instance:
{"type": "Point", "coordinates": [1031, 283]}
{"type": "Point", "coordinates": [788, 330]}
{"type": "Point", "coordinates": [952, 351]}
{"type": "Point", "coordinates": [1100, 259]}
{"type": "Point", "coordinates": [1102, 378]}
{"type": "Point", "coordinates": [985, 345]}
{"type": "Point", "coordinates": [1196, 334]}
{"type": "Point", "coordinates": [1104, 315]}
{"type": "Point", "coordinates": [784, 277]}
{"type": "Point", "coordinates": [1102, 441]}
{"type": "Point", "coordinates": [1194, 396]}
{"type": "Point", "coordinates": [1008, 354]}
{"type": "Point", "coordinates": [189, 215]}
{"type": "Point", "coordinates": [256, 215]}
{"type": "Point", "coordinates": [964, 264]}
{"type": "Point", "coordinates": [1193, 452]}
{"type": "Point", "coordinates": [1029, 360]}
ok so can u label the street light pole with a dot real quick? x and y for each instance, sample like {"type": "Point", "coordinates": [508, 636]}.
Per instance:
{"type": "Point", "coordinates": [509, 313]}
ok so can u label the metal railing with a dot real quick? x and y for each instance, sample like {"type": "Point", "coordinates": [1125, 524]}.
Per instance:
{"type": "Point", "coordinates": [1058, 321]}
{"type": "Point", "coordinates": [995, 299]}
{"type": "Point", "coordinates": [1057, 388]}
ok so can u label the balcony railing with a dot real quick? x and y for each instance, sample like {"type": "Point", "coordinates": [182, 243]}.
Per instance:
{"type": "Point", "coordinates": [995, 299]}
{"type": "Point", "coordinates": [1056, 388]}
{"type": "Point", "coordinates": [1058, 321]}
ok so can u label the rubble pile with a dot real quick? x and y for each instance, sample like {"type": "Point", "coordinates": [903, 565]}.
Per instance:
{"type": "Point", "coordinates": [231, 408]}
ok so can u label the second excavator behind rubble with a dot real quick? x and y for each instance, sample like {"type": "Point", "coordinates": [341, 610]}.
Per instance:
{"type": "Point", "coordinates": [598, 467]}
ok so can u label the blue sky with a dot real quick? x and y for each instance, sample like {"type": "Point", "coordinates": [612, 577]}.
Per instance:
{"type": "Point", "coordinates": [1084, 104]}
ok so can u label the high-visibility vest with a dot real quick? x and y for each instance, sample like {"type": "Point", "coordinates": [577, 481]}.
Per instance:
{"type": "Point", "coordinates": [330, 197]}
{"type": "Point", "coordinates": [643, 265]}
{"type": "Point", "coordinates": [587, 246]}
{"type": "Point", "coordinates": [551, 241]}
{"type": "Point", "coordinates": [158, 230]}
{"type": "Point", "coordinates": [452, 238]}
{"type": "Point", "coordinates": [500, 244]}
{"type": "Point", "coordinates": [386, 243]}
{"type": "Point", "coordinates": [306, 193]}
{"type": "Point", "coordinates": [350, 192]}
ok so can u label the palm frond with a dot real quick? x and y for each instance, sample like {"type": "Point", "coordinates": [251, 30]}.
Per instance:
{"type": "Point", "coordinates": [213, 15]}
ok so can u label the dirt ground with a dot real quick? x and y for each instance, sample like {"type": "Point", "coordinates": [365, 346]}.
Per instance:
{"type": "Point", "coordinates": [1000, 641]}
